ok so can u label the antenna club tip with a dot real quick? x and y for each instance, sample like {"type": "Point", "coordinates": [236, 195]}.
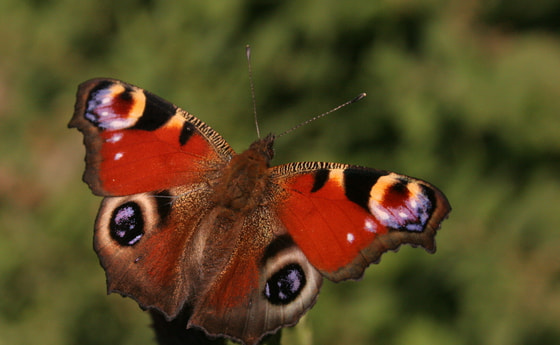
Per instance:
{"type": "Point", "coordinates": [359, 97]}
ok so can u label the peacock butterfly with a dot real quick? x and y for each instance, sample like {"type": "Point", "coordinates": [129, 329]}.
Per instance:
{"type": "Point", "coordinates": [186, 223]}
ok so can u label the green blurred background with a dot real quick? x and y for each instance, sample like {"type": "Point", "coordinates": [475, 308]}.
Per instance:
{"type": "Point", "coordinates": [464, 94]}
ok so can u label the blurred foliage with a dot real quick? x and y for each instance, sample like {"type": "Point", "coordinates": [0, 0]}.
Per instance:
{"type": "Point", "coordinates": [465, 94]}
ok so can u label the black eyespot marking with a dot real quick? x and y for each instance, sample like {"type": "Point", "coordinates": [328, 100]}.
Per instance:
{"type": "Point", "coordinates": [105, 84]}
{"type": "Point", "coordinates": [94, 101]}
{"type": "Point", "coordinates": [400, 187]}
{"type": "Point", "coordinates": [126, 95]}
{"type": "Point", "coordinates": [285, 285]}
{"type": "Point", "coordinates": [276, 246]}
{"type": "Point", "coordinates": [358, 183]}
{"type": "Point", "coordinates": [156, 113]}
{"type": "Point", "coordinates": [186, 133]}
{"type": "Point", "coordinates": [321, 177]}
{"type": "Point", "coordinates": [430, 194]}
{"type": "Point", "coordinates": [127, 224]}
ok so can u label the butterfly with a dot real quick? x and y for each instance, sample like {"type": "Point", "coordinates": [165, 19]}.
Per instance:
{"type": "Point", "coordinates": [187, 223]}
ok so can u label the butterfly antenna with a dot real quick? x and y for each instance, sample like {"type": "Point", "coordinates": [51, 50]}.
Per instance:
{"type": "Point", "coordinates": [248, 52]}
{"type": "Point", "coordinates": [353, 100]}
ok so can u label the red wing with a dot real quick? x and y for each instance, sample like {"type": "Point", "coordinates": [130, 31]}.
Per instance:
{"type": "Point", "coordinates": [345, 217]}
{"type": "Point", "coordinates": [137, 142]}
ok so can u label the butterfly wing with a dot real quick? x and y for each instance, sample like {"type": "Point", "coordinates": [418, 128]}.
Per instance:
{"type": "Point", "coordinates": [156, 165]}
{"type": "Point", "coordinates": [142, 243]}
{"type": "Point", "coordinates": [345, 217]}
{"type": "Point", "coordinates": [137, 142]}
{"type": "Point", "coordinates": [267, 283]}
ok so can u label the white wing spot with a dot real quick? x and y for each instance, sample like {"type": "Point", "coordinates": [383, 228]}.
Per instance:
{"type": "Point", "coordinates": [115, 137]}
{"type": "Point", "coordinates": [350, 237]}
{"type": "Point", "coordinates": [413, 203]}
{"type": "Point", "coordinates": [381, 214]}
{"type": "Point", "coordinates": [118, 156]}
{"type": "Point", "coordinates": [403, 215]}
{"type": "Point", "coordinates": [104, 113]}
{"type": "Point", "coordinates": [106, 100]}
{"type": "Point", "coordinates": [116, 123]}
{"type": "Point", "coordinates": [133, 241]}
{"type": "Point", "coordinates": [369, 225]}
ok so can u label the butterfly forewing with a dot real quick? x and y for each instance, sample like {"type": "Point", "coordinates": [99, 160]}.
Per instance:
{"type": "Point", "coordinates": [137, 142]}
{"type": "Point", "coordinates": [344, 217]}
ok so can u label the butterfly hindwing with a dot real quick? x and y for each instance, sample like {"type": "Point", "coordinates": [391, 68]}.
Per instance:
{"type": "Point", "coordinates": [137, 142]}
{"type": "Point", "coordinates": [268, 283]}
{"type": "Point", "coordinates": [345, 217]}
{"type": "Point", "coordinates": [145, 244]}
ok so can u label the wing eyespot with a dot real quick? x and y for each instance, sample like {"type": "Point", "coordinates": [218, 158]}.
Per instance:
{"type": "Point", "coordinates": [285, 285]}
{"type": "Point", "coordinates": [126, 226]}
{"type": "Point", "coordinates": [126, 220]}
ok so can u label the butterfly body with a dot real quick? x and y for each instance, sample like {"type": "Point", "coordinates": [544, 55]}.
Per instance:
{"type": "Point", "coordinates": [246, 177]}
{"type": "Point", "coordinates": [186, 223]}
